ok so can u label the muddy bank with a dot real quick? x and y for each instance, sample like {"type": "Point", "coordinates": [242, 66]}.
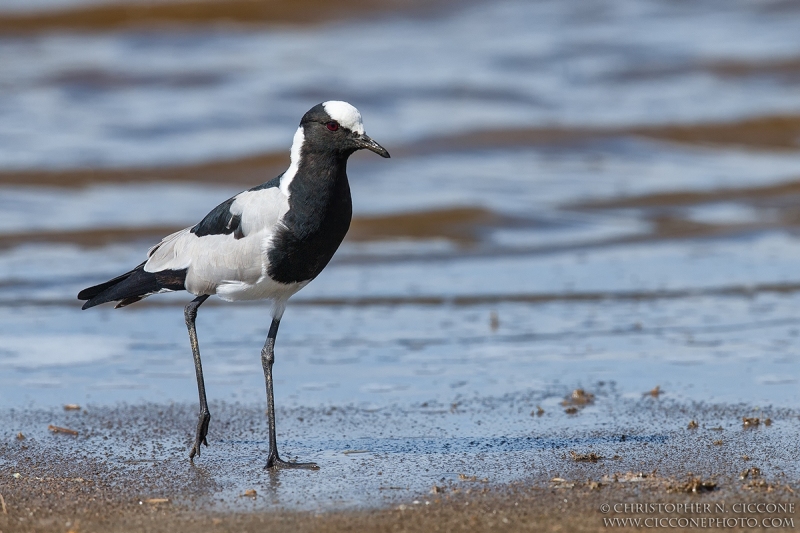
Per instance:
{"type": "Point", "coordinates": [785, 69]}
{"type": "Point", "coordinates": [253, 170]}
{"type": "Point", "coordinates": [766, 196]}
{"type": "Point", "coordinates": [760, 133]}
{"type": "Point", "coordinates": [157, 15]}
{"type": "Point", "coordinates": [779, 132]}
{"type": "Point", "coordinates": [462, 225]}
{"type": "Point", "coordinates": [470, 229]}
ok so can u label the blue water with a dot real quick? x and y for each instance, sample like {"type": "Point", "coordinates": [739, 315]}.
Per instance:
{"type": "Point", "coordinates": [166, 96]}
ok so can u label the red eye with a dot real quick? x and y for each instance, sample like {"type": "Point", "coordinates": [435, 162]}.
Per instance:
{"type": "Point", "coordinates": [333, 126]}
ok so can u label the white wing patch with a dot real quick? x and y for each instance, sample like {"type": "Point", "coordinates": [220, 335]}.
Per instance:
{"type": "Point", "coordinates": [261, 209]}
{"type": "Point", "coordinates": [167, 255]}
{"type": "Point", "coordinates": [345, 114]}
{"type": "Point", "coordinates": [235, 269]}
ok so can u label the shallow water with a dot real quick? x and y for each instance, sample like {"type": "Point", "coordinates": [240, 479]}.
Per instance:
{"type": "Point", "coordinates": [599, 197]}
{"type": "Point", "coordinates": [157, 97]}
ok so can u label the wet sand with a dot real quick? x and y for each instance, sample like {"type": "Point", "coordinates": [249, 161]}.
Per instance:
{"type": "Point", "coordinates": [127, 467]}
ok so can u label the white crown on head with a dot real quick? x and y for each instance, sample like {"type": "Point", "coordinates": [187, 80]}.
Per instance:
{"type": "Point", "coordinates": [345, 114]}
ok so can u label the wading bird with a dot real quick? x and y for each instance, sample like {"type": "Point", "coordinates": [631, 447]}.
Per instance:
{"type": "Point", "coordinates": [265, 243]}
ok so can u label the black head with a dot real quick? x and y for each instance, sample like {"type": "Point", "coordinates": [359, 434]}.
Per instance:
{"type": "Point", "coordinates": [336, 126]}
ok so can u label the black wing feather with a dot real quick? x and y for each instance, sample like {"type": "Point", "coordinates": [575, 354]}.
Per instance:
{"type": "Point", "coordinates": [220, 221]}
{"type": "Point", "coordinates": [133, 286]}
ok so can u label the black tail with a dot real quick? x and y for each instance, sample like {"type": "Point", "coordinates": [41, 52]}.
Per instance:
{"type": "Point", "coordinates": [133, 286]}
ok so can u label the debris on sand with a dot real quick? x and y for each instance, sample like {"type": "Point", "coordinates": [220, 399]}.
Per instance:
{"type": "Point", "coordinates": [594, 485]}
{"type": "Point", "coordinates": [437, 489]}
{"type": "Point", "coordinates": [692, 424]}
{"type": "Point", "coordinates": [752, 473]}
{"type": "Point", "coordinates": [694, 485]}
{"type": "Point", "coordinates": [72, 407]}
{"type": "Point", "coordinates": [578, 398]}
{"type": "Point", "coordinates": [630, 477]}
{"type": "Point", "coordinates": [3, 508]}
{"type": "Point", "coordinates": [464, 477]}
{"type": "Point", "coordinates": [156, 501]}
{"type": "Point", "coordinates": [590, 457]}
{"type": "Point", "coordinates": [751, 422]}
{"type": "Point", "coordinates": [655, 392]}
{"type": "Point", "coordinates": [561, 483]}
{"type": "Point", "coordinates": [759, 484]}
{"type": "Point", "coordinates": [57, 429]}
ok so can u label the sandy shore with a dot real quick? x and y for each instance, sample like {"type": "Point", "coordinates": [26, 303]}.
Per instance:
{"type": "Point", "coordinates": [519, 508]}
{"type": "Point", "coordinates": [126, 469]}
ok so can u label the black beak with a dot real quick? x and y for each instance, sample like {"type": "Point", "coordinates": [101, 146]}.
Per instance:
{"type": "Point", "coordinates": [364, 141]}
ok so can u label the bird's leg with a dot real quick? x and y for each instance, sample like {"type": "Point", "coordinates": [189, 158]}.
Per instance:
{"type": "Point", "coordinates": [267, 359]}
{"type": "Point", "coordinates": [205, 417]}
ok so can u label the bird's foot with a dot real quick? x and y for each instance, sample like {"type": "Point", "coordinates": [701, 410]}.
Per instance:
{"type": "Point", "coordinates": [200, 436]}
{"type": "Point", "coordinates": [276, 463]}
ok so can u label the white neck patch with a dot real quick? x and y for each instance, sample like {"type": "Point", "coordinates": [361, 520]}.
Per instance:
{"type": "Point", "coordinates": [297, 145]}
{"type": "Point", "coordinates": [345, 114]}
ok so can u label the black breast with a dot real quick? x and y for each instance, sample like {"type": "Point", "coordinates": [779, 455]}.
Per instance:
{"type": "Point", "coordinates": [320, 210]}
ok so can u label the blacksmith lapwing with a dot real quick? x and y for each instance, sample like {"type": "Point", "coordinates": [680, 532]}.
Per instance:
{"type": "Point", "coordinates": [264, 243]}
